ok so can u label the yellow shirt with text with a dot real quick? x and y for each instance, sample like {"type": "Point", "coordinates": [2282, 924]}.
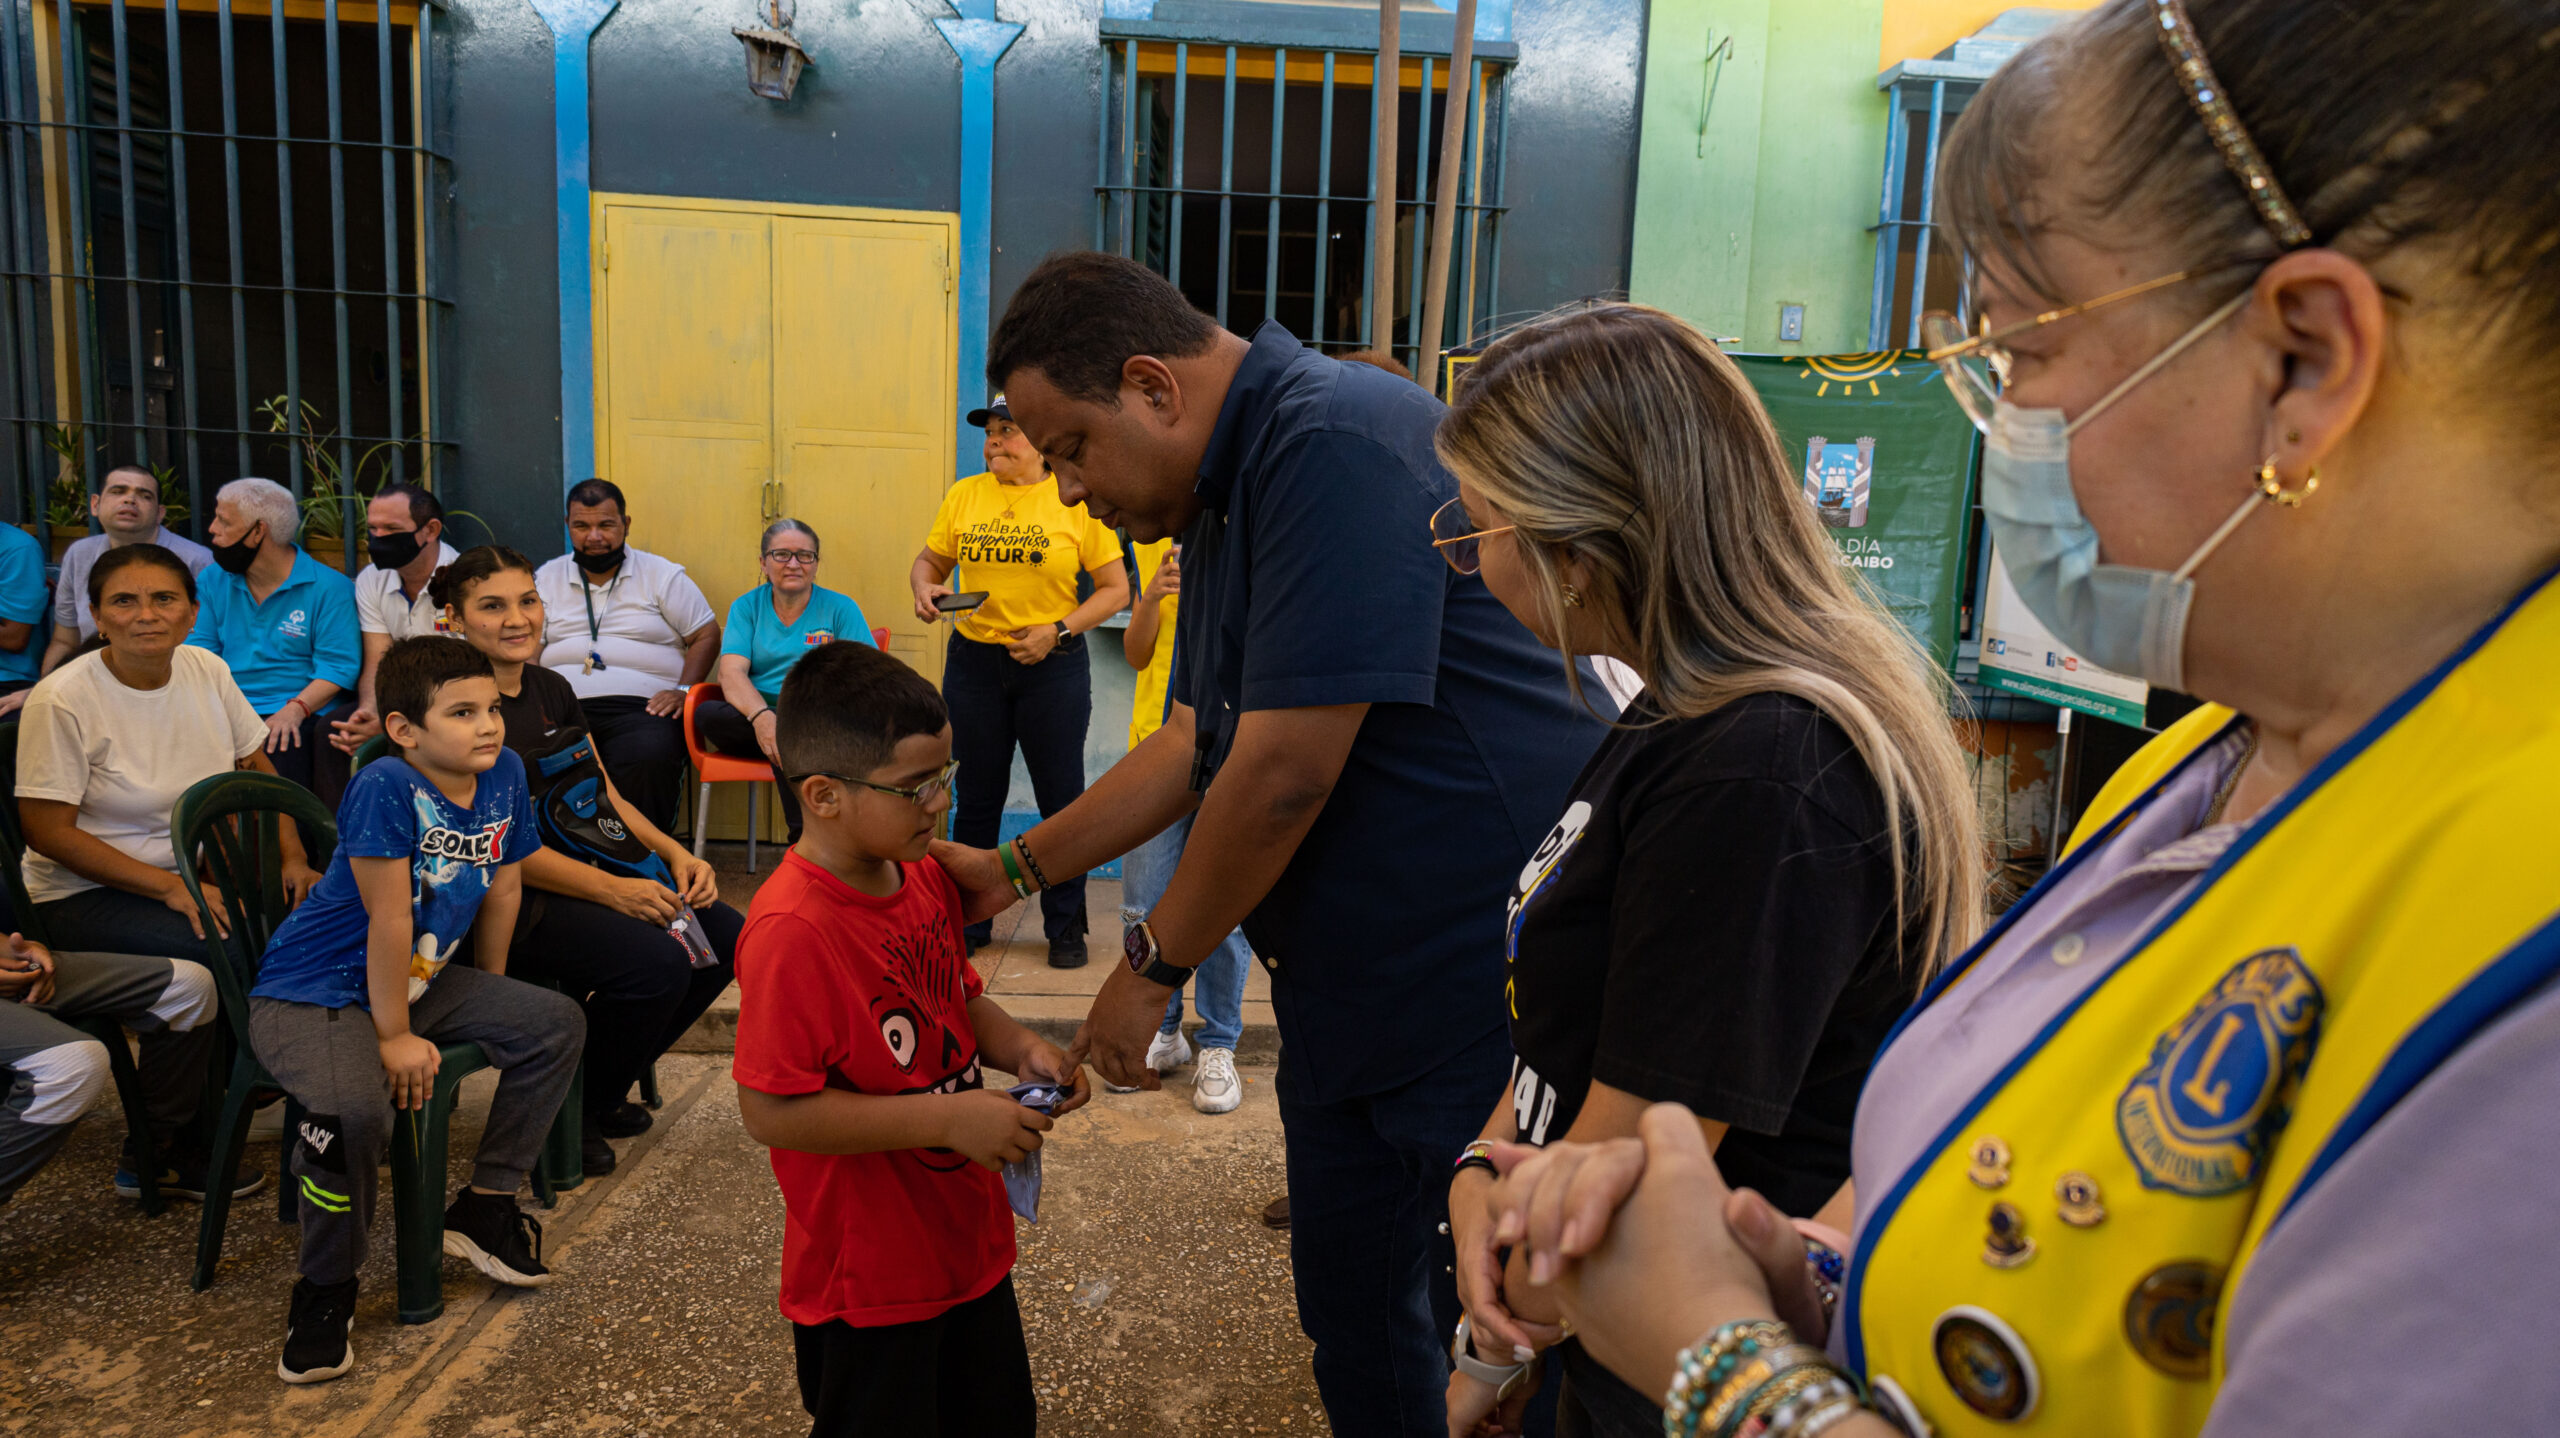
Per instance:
{"type": "Point", "coordinates": [1022, 546]}
{"type": "Point", "coordinates": [1156, 680]}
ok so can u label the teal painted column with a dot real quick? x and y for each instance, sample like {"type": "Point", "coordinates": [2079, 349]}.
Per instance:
{"type": "Point", "coordinates": [980, 40]}
{"type": "Point", "coordinates": [573, 23]}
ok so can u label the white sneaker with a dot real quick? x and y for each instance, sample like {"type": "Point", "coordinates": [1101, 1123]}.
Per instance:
{"type": "Point", "coordinates": [1215, 1088]}
{"type": "Point", "coordinates": [1169, 1052]}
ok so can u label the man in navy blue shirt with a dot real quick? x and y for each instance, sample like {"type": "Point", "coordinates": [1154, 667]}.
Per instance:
{"type": "Point", "coordinates": [1372, 747]}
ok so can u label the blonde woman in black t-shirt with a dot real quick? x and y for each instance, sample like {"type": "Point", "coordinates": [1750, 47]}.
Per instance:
{"type": "Point", "coordinates": [1763, 860]}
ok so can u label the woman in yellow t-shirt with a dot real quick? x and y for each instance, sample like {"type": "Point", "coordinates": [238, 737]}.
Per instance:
{"type": "Point", "coordinates": [1017, 672]}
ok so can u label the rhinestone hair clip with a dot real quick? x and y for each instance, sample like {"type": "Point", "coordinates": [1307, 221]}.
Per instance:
{"type": "Point", "coordinates": [2239, 152]}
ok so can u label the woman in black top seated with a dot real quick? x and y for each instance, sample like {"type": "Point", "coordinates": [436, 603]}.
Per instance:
{"type": "Point", "coordinates": [601, 935]}
{"type": "Point", "coordinates": [1768, 854]}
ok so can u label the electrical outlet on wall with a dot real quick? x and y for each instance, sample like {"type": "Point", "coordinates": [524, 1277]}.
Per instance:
{"type": "Point", "coordinates": [1790, 324]}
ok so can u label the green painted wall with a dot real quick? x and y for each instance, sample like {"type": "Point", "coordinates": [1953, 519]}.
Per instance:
{"type": "Point", "coordinates": [1770, 202]}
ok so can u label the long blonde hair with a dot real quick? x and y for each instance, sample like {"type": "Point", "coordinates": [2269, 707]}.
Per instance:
{"type": "Point", "coordinates": [1621, 435]}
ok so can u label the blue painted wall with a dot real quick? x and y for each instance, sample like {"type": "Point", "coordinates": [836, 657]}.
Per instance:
{"type": "Point", "coordinates": [877, 122]}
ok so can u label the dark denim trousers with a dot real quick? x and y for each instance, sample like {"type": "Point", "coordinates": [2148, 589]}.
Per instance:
{"type": "Point", "coordinates": [1368, 1190]}
{"type": "Point", "coordinates": [996, 704]}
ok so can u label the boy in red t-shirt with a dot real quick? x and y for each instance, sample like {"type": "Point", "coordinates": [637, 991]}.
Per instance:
{"type": "Point", "coordinates": [861, 1027]}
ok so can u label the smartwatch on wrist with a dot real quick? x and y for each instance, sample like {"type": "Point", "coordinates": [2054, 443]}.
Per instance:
{"type": "Point", "coordinates": [1147, 961]}
{"type": "Point", "coordinates": [1462, 1352]}
{"type": "Point", "coordinates": [1064, 633]}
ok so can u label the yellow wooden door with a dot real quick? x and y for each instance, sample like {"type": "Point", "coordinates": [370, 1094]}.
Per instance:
{"type": "Point", "coordinates": [862, 407]}
{"type": "Point", "coordinates": [755, 361]}
{"type": "Point", "coordinates": [684, 384]}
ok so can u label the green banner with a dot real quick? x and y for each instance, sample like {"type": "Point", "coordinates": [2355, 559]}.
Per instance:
{"type": "Point", "coordinates": [1886, 459]}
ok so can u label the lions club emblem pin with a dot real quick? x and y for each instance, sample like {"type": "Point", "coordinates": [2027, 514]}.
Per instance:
{"type": "Point", "coordinates": [2219, 1085]}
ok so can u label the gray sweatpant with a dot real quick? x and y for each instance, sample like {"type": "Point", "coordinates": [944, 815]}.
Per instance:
{"type": "Point", "coordinates": [330, 1061]}
{"type": "Point", "coordinates": [50, 1072]}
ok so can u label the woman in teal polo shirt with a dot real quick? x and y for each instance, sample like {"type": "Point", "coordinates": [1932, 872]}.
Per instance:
{"type": "Point", "coordinates": [768, 629]}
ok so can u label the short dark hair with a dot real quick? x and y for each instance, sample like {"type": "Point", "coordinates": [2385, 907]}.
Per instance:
{"type": "Point", "coordinates": [143, 470]}
{"type": "Point", "coordinates": [414, 669]}
{"type": "Point", "coordinates": [593, 492]}
{"type": "Point", "coordinates": [845, 706]}
{"type": "Point", "coordinates": [1081, 315]}
{"type": "Point", "coordinates": [125, 556]}
{"type": "Point", "coordinates": [451, 584]}
{"type": "Point", "coordinates": [423, 506]}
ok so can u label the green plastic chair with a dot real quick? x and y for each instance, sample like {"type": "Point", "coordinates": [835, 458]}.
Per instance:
{"type": "Point", "coordinates": [227, 826]}
{"type": "Point", "coordinates": [376, 747]}
{"type": "Point", "coordinates": [128, 1080]}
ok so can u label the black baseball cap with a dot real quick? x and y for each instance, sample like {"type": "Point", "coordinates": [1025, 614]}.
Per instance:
{"type": "Point", "coordinates": [995, 410]}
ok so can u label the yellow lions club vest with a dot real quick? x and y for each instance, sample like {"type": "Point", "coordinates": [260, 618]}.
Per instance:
{"type": "Point", "coordinates": [2061, 1257]}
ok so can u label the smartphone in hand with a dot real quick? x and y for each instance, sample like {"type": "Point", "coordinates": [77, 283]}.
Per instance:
{"type": "Point", "coordinates": [955, 603]}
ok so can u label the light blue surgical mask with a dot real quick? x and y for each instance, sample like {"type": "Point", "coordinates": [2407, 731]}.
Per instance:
{"type": "Point", "coordinates": [2117, 616]}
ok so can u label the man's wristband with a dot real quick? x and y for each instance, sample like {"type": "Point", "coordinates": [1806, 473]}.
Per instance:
{"type": "Point", "coordinates": [752, 718]}
{"type": "Point", "coordinates": [1013, 872]}
{"type": "Point", "coordinates": [1478, 1154]}
{"type": "Point", "coordinates": [1030, 865]}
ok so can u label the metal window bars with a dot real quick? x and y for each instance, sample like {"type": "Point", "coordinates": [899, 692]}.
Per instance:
{"type": "Point", "coordinates": [129, 306]}
{"type": "Point", "coordinates": [1918, 114]}
{"type": "Point", "coordinates": [1314, 202]}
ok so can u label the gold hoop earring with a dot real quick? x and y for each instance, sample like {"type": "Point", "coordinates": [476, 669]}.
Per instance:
{"type": "Point", "coordinates": [1572, 597]}
{"type": "Point", "coordinates": [2273, 487]}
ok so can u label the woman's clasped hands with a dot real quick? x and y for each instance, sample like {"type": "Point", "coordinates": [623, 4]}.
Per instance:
{"type": "Point", "coordinates": [1643, 1246]}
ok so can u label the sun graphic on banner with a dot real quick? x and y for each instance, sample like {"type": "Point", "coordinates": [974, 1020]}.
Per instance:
{"type": "Point", "coordinates": [1850, 371]}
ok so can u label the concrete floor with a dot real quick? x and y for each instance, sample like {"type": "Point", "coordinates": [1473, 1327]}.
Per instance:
{"type": "Point", "coordinates": [1156, 1303]}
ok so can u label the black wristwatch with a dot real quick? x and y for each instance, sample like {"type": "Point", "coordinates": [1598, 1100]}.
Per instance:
{"type": "Point", "coordinates": [1147, 961]}
{"type": "Point", "coordinates": [1064, 633]}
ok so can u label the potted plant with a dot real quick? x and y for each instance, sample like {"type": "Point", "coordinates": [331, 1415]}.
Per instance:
{"type": "Point", "coordinates": [326, 483]}
{"type": "Point", "coordinates": [66, 501]}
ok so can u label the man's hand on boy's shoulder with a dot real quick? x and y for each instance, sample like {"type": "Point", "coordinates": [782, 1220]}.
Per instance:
{"type": "Point", "coordinates": [990, 1128]}
{"type": "Point", "coordinates": [984, 890]}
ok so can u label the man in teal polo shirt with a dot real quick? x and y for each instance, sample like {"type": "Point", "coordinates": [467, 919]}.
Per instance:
{"type": "Point", "coordinates": [285, 623]}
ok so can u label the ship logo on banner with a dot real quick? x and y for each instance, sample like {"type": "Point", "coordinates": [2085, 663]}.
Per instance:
{"type": "Point", "coordinates": [1840, 477]}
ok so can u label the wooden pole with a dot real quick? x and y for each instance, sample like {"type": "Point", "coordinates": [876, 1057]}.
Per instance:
{"type": "Point", "coordinates": [1444, 204]}
{"type": "Point", "coordinates": [1386, 91]}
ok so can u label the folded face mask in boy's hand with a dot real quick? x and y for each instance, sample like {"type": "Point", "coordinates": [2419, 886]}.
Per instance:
{"type": "Point", "coordinates": [1022, 1177]}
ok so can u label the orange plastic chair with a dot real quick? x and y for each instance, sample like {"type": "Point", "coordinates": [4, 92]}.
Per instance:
{"type": "Point", "coordinates": [718, 768]}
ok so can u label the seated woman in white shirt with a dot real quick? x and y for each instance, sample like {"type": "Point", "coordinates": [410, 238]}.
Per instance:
{"type": "Point", "coordinates": [106, 745]}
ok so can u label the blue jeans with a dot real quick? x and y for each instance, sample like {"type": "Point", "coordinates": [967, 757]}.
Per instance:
{"type": "Point", "coordinates": [1368, 1188]}
{"type": "Point", "coordinates": [1218, 990]}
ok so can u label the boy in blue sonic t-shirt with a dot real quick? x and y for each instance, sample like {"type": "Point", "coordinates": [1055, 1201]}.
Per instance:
{"type": "Point", "coordinates": [354, 999]}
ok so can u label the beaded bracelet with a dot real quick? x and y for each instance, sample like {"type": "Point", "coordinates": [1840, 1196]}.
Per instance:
{"type": "Point", "coordinates": [1701, 1369]}
{"type": "Point", "coordinates": [1815, 1409]}
{"type": "Point", "coordinates": [1013, 872]}
{"type": "Point", "coordinates": [1786, 1379]}
{"type": "Point", "coordinates": [1738, 1396]}
{"type": "Point", "coordinates": [1030, 865]}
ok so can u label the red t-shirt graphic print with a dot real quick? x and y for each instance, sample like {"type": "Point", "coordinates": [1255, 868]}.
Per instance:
{"type": "Point", "coordinates": [839, 989]}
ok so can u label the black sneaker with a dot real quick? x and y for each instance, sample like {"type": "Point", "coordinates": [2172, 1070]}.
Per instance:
{"type": "Point", "coordinates": [623, 1120]}
{"type": "Point", "coordinates": [315, 1338]}
{"type": "Point", "coordinates": [595, 1156]}
{"type": "Point", "coordinates": [1066, 953]}
{"type": "Point", "coordinates": [183, 1176]}
{"type": "Point", "coordinates": [500, 1239]}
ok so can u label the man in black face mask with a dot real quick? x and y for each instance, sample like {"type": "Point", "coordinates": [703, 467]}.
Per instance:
{"type": "Point", "coordinates": [631, 631]}
{"type": "Point", "coordinates": [404, 542]}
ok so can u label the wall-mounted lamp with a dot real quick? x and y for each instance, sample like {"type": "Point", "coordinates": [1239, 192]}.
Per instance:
{"type": "Point", "coordinates": [775, 56]}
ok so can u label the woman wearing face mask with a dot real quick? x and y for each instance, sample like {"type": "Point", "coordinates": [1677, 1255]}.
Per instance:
{"type": "Point", "coordinates": [2241, 1123]}
{"type": "Point", "coordinates": [599, 934]}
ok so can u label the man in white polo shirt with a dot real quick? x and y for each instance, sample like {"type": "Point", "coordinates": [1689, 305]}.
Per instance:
{"type": "Point", "coordinates": [404, 544]}
{"type": "Point", "coordinates": [631, 631]}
